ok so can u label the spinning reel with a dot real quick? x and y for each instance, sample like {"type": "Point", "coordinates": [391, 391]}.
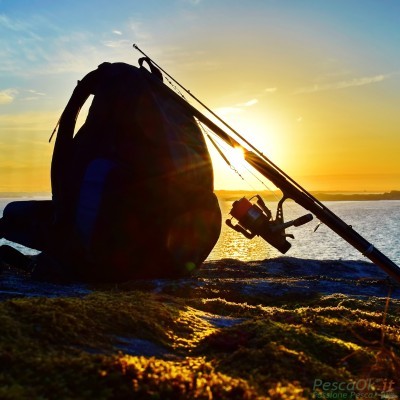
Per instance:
{"type": "Point", "coordinates": [256, 219]}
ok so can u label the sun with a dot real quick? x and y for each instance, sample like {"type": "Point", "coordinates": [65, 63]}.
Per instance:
{"type": "Point", "coordinates": [237, 155]}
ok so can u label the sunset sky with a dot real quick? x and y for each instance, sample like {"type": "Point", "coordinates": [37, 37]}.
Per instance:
{"type": "Point", "coordinates": [315, 85]}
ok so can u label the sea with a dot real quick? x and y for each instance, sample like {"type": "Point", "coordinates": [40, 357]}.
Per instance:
{"type": "Point", "coordinates": [377, 221]}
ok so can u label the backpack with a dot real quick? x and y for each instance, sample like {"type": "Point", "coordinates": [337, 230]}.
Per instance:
{"type": "Point", "coordinates": [133, 188]}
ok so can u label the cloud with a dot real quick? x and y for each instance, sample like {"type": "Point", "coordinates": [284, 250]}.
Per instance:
{"type": "Point", "coordinates": [117, 44]}
{"type": "Point", "coordinates": [248, 103]}
{"type": "Point", "coordinates": [270, 90]}
{"type": "Point", "coordinates": [342, 84]}
{"type": "Point", "coordinates": [32, 95]}
{"type": "Point", "coordinates": [10, 24]}
{"type": "Point", "coordinates": [28, 122]}
{"type": "Point", "coordinates": [24, 137]}
{"type": "Point", "coordinates": [7, 96]}
{"type": "Point", "coordinates": [138, 31]}
{"type": "Point", "coordinates": [18, 27]}
{"type": "Point", "coordinates": [224, 111]}
{"type": "Point", "coordinates": [35, 92]}
{"type": "Point", "coordinates": [194, 2]}
{"type": "Point", "coordinates": [36, 46]}
{"type": "Point", "coordinates": [237, 108]}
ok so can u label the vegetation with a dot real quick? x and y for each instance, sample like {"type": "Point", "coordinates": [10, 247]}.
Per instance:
{"type": "Point", "coordinates": [200, 338]}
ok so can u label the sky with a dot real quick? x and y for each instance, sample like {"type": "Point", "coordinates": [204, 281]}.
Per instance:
{"type": "Point", "coordinates": [315, 85]}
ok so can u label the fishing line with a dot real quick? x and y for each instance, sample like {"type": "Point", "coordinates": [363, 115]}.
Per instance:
{"type": "Point", "coordinates": [221, 147]}
{"type": "Point", "coordinates": [260, 154]}
{"type": "Point", "coordinates": [219, 150]}
{"type": "Point", "coordinates": [275, 233]}
{"type": "Point", "coordinates": [243, 164]}
{"type": "Point", "coordinates": [175, 88]}
{"type": "Point", "coordinates": [238, 135]}
{"type": "Point", "coordinates": [265, 158]}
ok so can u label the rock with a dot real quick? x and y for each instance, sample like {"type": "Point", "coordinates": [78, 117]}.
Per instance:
{"type": "Point", "coordinates": [234, 330]}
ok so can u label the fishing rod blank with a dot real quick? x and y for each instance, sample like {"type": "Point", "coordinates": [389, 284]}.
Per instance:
{"type": "Point", "coordinates": [289, 187]}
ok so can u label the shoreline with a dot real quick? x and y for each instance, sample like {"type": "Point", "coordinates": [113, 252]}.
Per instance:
{"type": "Point", "coordinates": [231, 195]}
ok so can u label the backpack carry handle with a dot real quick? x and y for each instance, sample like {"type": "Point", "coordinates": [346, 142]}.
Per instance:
{"type": "Point", "coordinates": [153, 69]}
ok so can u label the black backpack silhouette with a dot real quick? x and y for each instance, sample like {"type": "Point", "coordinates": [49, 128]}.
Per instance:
{"type": "Point", "coordinates": [132, 189]}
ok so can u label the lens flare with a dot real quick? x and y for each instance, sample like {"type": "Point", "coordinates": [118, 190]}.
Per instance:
{"type": "Point", "coordinates": [237, 154]}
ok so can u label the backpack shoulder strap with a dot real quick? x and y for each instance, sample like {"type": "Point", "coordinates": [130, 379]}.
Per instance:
{"type": "Point", "coordinates": [63, 146]}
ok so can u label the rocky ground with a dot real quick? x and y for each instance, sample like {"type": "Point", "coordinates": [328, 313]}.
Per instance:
{"type": "Point", "coordinates": [276, 329]}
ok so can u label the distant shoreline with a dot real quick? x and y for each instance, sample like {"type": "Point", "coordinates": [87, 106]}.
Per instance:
{"type": "Point", "coordinates": [230, 195]}
{"type": "Point", "coordinates": [6, 195]}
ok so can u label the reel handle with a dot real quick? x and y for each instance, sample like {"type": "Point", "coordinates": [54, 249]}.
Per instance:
{"type": "Point", "coordinates": [296, 222]}
{"type": "Point", "coordinates": [303, 220]}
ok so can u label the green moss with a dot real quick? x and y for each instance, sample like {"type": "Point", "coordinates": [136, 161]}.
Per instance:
{"type": "Point", "coordinates": [332, 343]}
{"type": "Point", "coordinates": [64, 348]}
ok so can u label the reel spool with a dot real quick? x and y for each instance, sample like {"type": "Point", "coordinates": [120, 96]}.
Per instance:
{"type": "Point", "coordinates": [256, 219]}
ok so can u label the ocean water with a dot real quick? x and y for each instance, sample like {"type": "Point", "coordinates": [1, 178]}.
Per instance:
{"type": "Point", "coordinates": [376, 221]}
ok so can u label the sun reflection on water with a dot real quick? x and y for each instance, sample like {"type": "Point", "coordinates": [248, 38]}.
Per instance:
{"type": "Point", "coordinates": [376, 221]}
{"type": "Point", "coordinates": [234, 245]}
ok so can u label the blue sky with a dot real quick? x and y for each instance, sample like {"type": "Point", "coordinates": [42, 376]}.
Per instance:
{"type": "Point", "coordinates": [301, 76]}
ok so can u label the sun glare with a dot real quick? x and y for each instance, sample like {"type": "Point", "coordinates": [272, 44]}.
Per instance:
{"type": "Point", "coordinates": [237, 154]}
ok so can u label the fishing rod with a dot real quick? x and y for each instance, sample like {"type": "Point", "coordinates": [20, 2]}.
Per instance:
{"type": "Point", "coordinates": [255, 218]}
